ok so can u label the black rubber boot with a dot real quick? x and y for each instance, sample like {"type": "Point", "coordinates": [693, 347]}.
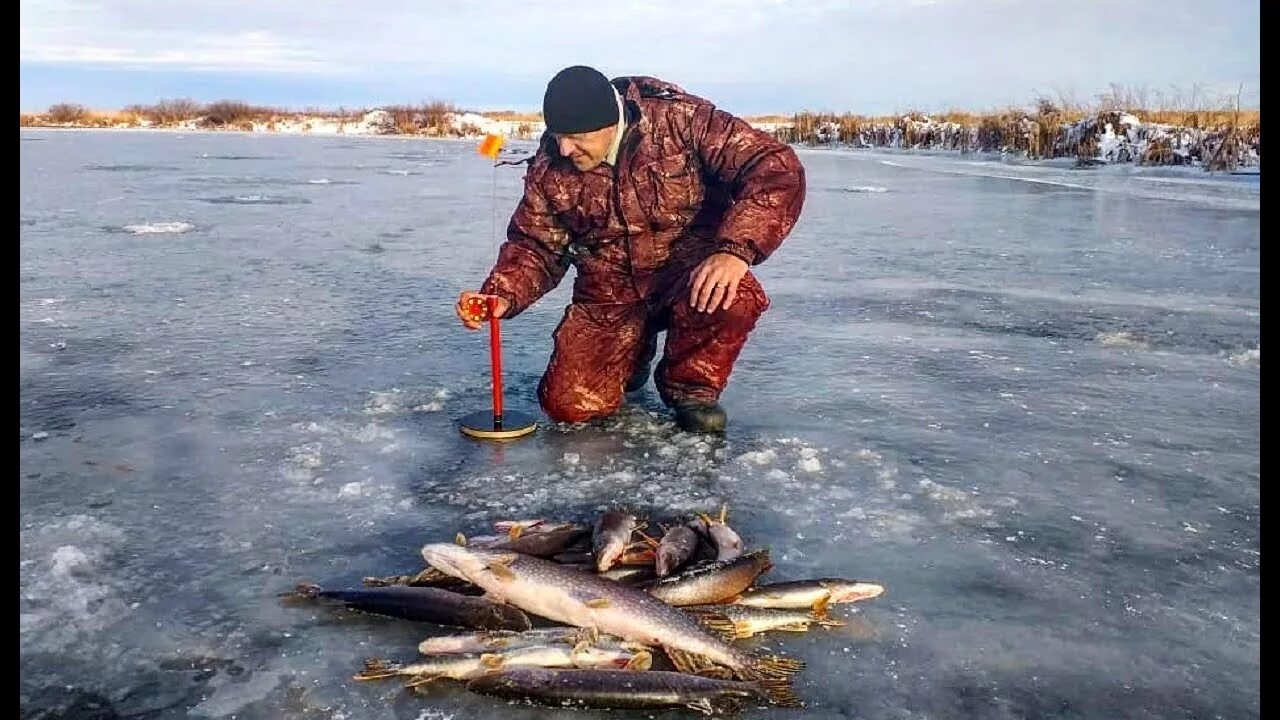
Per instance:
{"type": "Point", "coordinates": [640, 375]}
{"type": "Point", "coordinates": [700, 417]}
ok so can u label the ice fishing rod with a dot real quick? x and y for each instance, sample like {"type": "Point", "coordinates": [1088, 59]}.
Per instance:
{"type": "Point", "coordinates": [496, 423]}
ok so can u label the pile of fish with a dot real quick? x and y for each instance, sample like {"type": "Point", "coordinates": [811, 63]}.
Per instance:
{"type": "Point", "coordinates": [624, 619]}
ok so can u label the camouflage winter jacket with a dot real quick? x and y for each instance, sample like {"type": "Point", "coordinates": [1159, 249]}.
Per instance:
{"type": "Point", "coordinates": [690, 180]}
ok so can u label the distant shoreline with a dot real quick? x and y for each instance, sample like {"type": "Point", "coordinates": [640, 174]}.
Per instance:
{"type": "Point", "coordinates": [218, 131]}
{"type": "Point", "coordinates": [1213, 140]}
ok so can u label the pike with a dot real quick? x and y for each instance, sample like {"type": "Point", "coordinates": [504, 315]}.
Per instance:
{"type": "Point", "coordinates": [466, 666]}
{"type": "Point", "coordinates": [515, 528]}
{"type": "Point", "coordinates": [817, 593]}
{"type": "Point", "coordinates": [750, 621]}
{"type": "Point", "coordinates": [543, 544]}
{"type": "Point", "coordinates": [426, 604]}
{"type": "Point", "coordinates": [502, 640]}
{"type": "Point", "coordinates": [655, 689]}
{"type": "Point", "coordinates": [499, 640]}
{"type": "Point", "coordinates": [430, 577]}
{"type": "Point", "coordinates": [712, 582]}
{"type": "Point", "coordinates": [571, 597]}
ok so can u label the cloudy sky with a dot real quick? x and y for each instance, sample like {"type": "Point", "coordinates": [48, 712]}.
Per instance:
{"type": "Point", "coordinates": [750, 56]}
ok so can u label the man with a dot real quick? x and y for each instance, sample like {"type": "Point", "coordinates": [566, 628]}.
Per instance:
{"type": "Point", "coordinates": [662, 202]}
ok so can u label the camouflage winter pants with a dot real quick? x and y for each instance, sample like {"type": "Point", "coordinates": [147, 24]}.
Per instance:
{"type": "Point", "coordinates": [597, 346]}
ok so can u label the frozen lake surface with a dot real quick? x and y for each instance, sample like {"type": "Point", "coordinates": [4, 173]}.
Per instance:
{"type": "Point", "coordinates": [1025, 398]}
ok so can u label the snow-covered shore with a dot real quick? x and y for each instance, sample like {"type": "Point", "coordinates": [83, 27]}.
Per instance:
{"type": "Point", "coordinates": [374, 122]}
{"type": "Point", "coordinates": [1107, 137]}
{"type": "Point", "coordinates": [1104, 138]}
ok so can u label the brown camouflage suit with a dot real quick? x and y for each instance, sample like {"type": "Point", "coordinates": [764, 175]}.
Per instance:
{"type": "Point", "coordinates": [690, 180]}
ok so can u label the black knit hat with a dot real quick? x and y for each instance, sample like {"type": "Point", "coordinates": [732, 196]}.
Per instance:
{"type": "Point", "coordinates": [579, 99]}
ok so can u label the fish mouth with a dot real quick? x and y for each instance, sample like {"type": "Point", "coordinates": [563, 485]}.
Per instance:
{"type": "Point", "coordinates": [662, 564]}
{"type": "Point", "coordinates": [447, 558]}
{"type": "Point", "coordinates": [853, 592]}
{"type": "Point", "coordinates": [609, 556]}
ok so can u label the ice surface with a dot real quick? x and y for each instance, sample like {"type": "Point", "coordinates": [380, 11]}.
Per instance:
{"type": "Point", "coordinates": [1023, 398]}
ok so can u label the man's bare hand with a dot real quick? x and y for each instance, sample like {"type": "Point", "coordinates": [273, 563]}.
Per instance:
{"type": "Point", "coordinates": [501, 310]}
{"type": "Point", "coordinates": [715, 282]}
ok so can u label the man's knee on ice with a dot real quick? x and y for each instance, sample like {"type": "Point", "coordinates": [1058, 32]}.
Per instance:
{"type": "Point", "coordinates": [575, 405]}
{"type": "Point", "coordinates": [742, 313]}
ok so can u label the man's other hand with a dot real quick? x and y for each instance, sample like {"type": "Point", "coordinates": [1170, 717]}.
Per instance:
{"type": "Point", "coordinates": [715, 282]}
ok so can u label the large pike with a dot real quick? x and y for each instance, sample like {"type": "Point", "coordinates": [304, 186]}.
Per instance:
{"type": "Point", "coordinates": [712, 582]}
{"type": "Point", "coordinates": [620, 689]}
{"type": "Point", "coordinates": [426, 604]}
{"type": "Point", "coordinates": [817, 593]}
{"type": "Point", "coordinates": [571, 597]}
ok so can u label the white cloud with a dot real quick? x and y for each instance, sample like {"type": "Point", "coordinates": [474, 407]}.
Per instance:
{"type": "Point", "coordinates": [302, 36]}
{"type": "Point", "coordinates": [245, 51]}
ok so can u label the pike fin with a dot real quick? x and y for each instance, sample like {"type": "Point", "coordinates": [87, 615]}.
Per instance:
{"type": "Point", "coordinates": [717, 672]}
{"type": "Point", "coordinates": [780, 692]}
{"type": "Point", "coordinates": [499, 567]}
{"type": "Point", "coordinates": [502, 572]}
{"type": "Point", "coordinates": [821, 617]}
{"type": "Point", "coordinates": [642, 660]}
{"type": "Point", "coordinates": [430, 576]}
{"type": "Point", "coordinates": [695, 664]}
{"type": "Point", "coordinates": [822, 604]}
{"type": "Point", "coordinates": [718, 624]}
{"type": "Point", "coordinates": [589, 635]}
{"type": "Point", "coordinates": [776, 667]}
{"type": "Point", "coordinates": [683, 661]}
{"type": "Point", "coordinates": [703, 706]}
{"type": "Point", "coordinates": [714, 622]}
